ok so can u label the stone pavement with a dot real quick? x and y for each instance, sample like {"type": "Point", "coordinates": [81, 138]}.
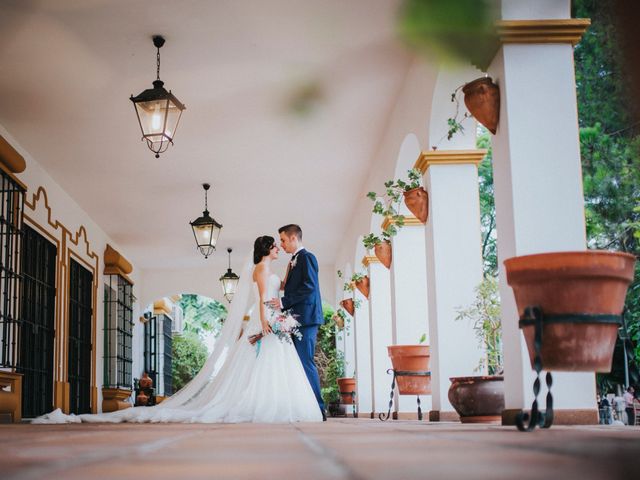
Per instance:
{"type": "Point", "coordinates": [338, 449]}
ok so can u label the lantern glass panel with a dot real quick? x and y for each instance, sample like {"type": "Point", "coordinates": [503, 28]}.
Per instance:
{"type": "Point", "coordinates": [204, 234]}
{"type": "Point", "coordinates": [229, 286]}
{"type": "Point", "coordinates": [152, 116]}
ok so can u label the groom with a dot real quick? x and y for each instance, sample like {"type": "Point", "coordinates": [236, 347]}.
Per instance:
{"type": "Point", "coordinates": [302, 297]}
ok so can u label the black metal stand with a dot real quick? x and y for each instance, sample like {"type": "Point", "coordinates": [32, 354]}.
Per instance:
{"type": "Point", "coordinates": [354, 407]}
{"type": "Point", "coordinates": [400, 373]}
{"type": "Point", "coordinates": [527, 422]}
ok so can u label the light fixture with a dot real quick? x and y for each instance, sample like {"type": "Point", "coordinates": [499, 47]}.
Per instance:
{"type": "Point", "coordinates": [206, 229]}
{"type": "Point", "coordinates": [229, 281]}
{"type": "Point", "coordinates": [158, 110]}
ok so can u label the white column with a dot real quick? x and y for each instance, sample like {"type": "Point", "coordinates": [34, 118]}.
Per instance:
{"type": "Point", "coordinates": [409, 299]}
{"type": "Point", "coordinates": [380, 334]}
{"type": "Point", "coordinates": [538, 179]}
{"type": "Point", "coordinates": [454, 267]}
{"type": "Point", "coordinates": [361, 335]}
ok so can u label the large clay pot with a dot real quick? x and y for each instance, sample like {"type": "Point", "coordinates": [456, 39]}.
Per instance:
{"type": "Point", "coordinates": [146, 381]}
{"type": "Point", "coordinates": [478, 399]}
{"type": "Point", "coordinates": [411, 358]}
{"type": "Point", "coordinates": [383, 252]}
{"type": "Point", "coordinates": [417, 201]}
{"type": "Point", "coordinates": [346, 386]}
{"type": "Point", "coordinates": [482, 98]}
{"type": "Point", "coordinates": [587, 282]}
{"type": "Point", "coordinates": [348, 305]}
{"type": "Point", "coordinates": [363, 286]}
{"type": "Point", "coordinates": [142, 399]}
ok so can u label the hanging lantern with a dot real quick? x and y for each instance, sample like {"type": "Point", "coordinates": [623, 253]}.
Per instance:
{"type": "Point", "coordinates": [229, 281]}
{"type": "Point", "coordinates": [205, 229]}
{"type": "Point", "coordinates": [158, 110]}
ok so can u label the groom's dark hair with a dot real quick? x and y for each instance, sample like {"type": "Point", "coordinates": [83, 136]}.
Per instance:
{"type": "Point", "coordinates": [291, 229]}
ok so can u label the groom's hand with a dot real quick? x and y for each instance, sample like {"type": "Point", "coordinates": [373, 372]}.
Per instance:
{"type": "Point", "coordinates": [275, 304]}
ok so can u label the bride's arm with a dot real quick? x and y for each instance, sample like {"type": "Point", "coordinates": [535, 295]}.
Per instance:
{"type": "Point", "coordinates": [262, 279]}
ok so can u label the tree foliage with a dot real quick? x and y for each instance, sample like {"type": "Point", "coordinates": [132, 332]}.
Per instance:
{"type": "Point", "coordinates": [202, 315]}
{"type": "Point", "coordinates": [610, 149]}
{"type": "Point", "coordinates": [328, 358]}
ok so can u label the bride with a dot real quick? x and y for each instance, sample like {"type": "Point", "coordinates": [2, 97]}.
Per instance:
{"type": "Point", "coordinates": [240, 382]}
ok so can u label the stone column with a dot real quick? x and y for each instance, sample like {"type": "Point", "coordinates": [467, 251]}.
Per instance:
{"type": "Point", "coordinates": [380, 331]}
{"type": "Point", "coordinates": [538, 178]}
{"type": "Point", "coordinates": [409, 300]}
{"type": "Point", "coordinates": [359, 325]}
{"type": "Point", "coordinates": [454, 267]}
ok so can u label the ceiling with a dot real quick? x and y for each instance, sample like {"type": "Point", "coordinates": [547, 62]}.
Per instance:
{"type": "Point", "coordinates": [286, 102]}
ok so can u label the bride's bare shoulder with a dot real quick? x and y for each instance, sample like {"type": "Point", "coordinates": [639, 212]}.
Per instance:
{"type": "Point", "coordinates": [260, 271]}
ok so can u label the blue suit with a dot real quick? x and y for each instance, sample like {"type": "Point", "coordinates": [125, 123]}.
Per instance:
{"type": "Point", "coordinates": [302, 298]}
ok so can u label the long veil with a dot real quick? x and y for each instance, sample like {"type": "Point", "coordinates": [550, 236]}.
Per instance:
{"type": "Point", "coordinates": [199, 391]}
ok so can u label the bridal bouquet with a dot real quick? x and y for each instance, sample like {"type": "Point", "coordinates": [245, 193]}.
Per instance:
{"type": "Point", "coordinates": [283, 324]}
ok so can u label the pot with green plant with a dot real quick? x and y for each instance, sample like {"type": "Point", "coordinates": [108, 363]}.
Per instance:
{"type": "Point", "coordinates": [415, 359]}
{"type": "Point", "coordinates": [381, 246]}
{"type": "Point", "coordinates": [482, 99]}
{"type": "Point", "coordinates": [480, 399]}
{"type": "Point", "coordinates": [361, 282]}
{"type": "Point", "coordinates": [339, 318]}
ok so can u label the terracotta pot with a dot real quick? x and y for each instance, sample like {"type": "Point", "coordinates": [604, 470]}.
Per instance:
{"type": "Point", "coordinates": [338, 321]}
{"type": "Point", "coordinates": [346, 386]}
{"type": "Point", "coordinates": [142, 399]}
{"type": "Point", "coordinates": [478, 399]}
{"type": "Point", "coordinates": [587, 282]}
{"type": "Point", "coordinates": [383, 252]}
{"type": "Point", "coordinates": [482, 98]}
{"type": "Point", "coordinates": [417, 201]}
{"type": "Point", "coordinates": [146, 381]}
{"type": "Point", "coordinates": [363, 286]}
{"type": "Point", "coordinates": [348, 305]}
{"type": "Point", "coordinates": [411, 358]}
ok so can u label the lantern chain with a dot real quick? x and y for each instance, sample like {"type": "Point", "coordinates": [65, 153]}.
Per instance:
{"type": "Point", "coordinates": [158, 64]}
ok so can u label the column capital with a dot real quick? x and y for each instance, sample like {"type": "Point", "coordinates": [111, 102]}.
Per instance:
{"type": "Point", "coordinates": [409, 221]}
{"type": "Point", "coordinates": [448, 157]}
{"type": "Point", "coordinates": [568, 30]}
{"type": "Point", "coordinates": [369, 259]}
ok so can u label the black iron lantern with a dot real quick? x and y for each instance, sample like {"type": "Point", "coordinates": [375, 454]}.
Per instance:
{"type": "Point", "coordinates": [229, 281]}
{"type": "Point", "coordinates": [158, 111]}
{"type": "Point", "coordinates": [205, 229]}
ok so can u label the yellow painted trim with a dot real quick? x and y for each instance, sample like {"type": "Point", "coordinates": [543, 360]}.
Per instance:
{"type": "Point", "coordinates": [142, 319]}
{"type": "Point", "coordinates": [369, 259]}
{"type": "Point", "coordinates": [568, 30]}
{"type": "Point", "coordinates": [10, 158]}
{"type": "Point", "coordinates": [448, 157]}
{"type": "Point", "coordinates": [116, 264]}
{"type": "Point", "coordinates": [409, 221]}
{"type": "Point", "coordinates": [162, 306]}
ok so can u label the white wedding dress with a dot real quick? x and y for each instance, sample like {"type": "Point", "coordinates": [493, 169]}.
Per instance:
{"type": "Point", "coordinates": [239, 382]}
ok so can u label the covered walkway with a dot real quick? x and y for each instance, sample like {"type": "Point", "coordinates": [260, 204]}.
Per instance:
{"type": "Point", "coordinates": [337, 449]}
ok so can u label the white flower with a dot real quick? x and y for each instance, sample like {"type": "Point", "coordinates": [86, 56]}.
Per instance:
{"type": "Point", "coordinates": [294, 262]}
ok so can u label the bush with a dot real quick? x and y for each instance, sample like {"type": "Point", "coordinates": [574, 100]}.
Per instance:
{"type": "Point", "coordinates": [189, 355]}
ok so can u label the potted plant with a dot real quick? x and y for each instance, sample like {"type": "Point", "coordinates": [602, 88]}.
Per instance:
{"type": "Point", "coordinates": [482, 99]}
{"type": "Point", "coordinates": [340, 317]}
{"type": "Point", "coordinates": [480, 399]}
{"type": "Point", "coordinates": [361, 282]}
{"type": "Point", "coordinates": [347, 389]}
{"type": "Point", "coordinates": [381, 245]}
{"type": "Point", "coordinates": [587, 290]}
{"type": "Point", "coordinates": [411, 358]}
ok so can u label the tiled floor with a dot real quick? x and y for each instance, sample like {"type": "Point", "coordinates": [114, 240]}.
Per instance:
{"type": "Point", "coordinates": [337, 449]}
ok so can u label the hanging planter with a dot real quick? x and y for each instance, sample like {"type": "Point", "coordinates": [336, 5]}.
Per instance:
{"type": "Point", "coordinates": [383, 252]}
{"type": "Point", "coordinates": [580, 296]}
{"type": "Point", "coordinates": [347, 388]}
{"type": "Point", "coordinates": [348, 305]}
{"type": "Point", "coordinates": [482, 98]}
{"type": "Point", "coordinates": [362, 284]}
{"type": "Point", "coordinates": [478, 399]}
{"type": "Point", "coordinates": [417, 201]}
{"type": "Point", "coordinates": [415, 359]}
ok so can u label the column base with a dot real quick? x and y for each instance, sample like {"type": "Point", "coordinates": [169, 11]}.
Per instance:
{"type": "Point", "coordinates": [584, 416]}
{"type": "Point", "coordinates": [113, 399]}
{"type": "Point", "coordinates": [406, 416]}
{"type": "Point", "coordinates": [61, 395]}
{"type": "Point", "coordinates": [438, 416]}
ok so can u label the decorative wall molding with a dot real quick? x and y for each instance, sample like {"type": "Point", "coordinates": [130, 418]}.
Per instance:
{"type": "Point", "coordinates": [448, 157]}
{"type": "Point", "coordinates": [369, 259]}
{"type": "Point", "coordinates": [409, 221]}
{"type": "Point", "coordinates": [568, 30]}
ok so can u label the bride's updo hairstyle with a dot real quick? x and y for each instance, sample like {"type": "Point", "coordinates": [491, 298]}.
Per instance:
{"type": "Point", "coordinates": [261, 248]}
